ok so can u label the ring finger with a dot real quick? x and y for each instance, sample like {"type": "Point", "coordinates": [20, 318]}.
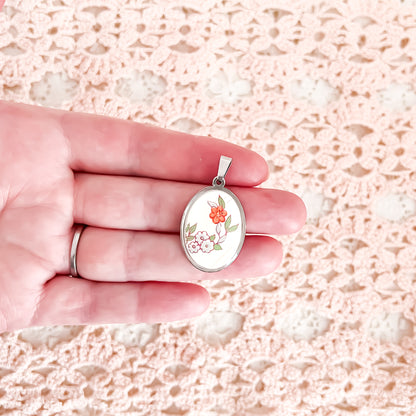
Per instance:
{"type": "Point", "coordinates": [121, 255]}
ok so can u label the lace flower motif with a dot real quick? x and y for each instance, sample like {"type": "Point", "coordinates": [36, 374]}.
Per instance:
{"type": "Point", "coordinates": [228, 87]}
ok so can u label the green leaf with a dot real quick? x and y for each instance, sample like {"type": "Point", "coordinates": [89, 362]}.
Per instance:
{"type": "Point", "coordinates": [192, 229]}
{"type": "Point", "coordinates": [189, 237]}
{"type": "Point", "coordinates": [212, 237]}
{"type": "Point", "coordinates": [187, 228]}
{"type": "Point", "coordinates": [233, 228]}
{"type": "Point", "coordinates": [221, 201]}
{"type": "Point", "coordinates": [228, 222]}
{"type": "Point", "coordinates": [217, 247]}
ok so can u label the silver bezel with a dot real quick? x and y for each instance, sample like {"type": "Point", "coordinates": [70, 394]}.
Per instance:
{"type": "Point", "coordinates": [243, 227]}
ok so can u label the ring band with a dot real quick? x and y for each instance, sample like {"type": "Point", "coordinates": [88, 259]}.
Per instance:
{"type": "Point", "coordinates": [73, 272]}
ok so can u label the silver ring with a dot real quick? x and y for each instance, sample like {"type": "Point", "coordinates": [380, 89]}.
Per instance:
{"type": "Point", "coordinates": [73, 272]}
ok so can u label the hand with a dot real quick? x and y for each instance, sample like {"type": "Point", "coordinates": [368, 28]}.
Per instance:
{"type": "Point", "coordinates": [129, 183]}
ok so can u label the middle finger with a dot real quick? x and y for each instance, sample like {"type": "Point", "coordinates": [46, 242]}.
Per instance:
{"type": "Point", "coordinates": [136, 203]}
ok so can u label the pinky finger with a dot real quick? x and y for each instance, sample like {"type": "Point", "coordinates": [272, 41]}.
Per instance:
{"type": "Point", "coordinates": [74, 301]}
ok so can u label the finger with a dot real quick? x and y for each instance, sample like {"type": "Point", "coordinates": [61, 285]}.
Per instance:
{"type": "Point", "coordinates": [108, 145]}
{"type": "Point", "coordinates": [117, 255]}
{"type": "Point", "coordinates": [102, 144]}
{"type": "Point", "coordinates": [151, 204]}
{"type": "Point", "coordinates": [71, 301]}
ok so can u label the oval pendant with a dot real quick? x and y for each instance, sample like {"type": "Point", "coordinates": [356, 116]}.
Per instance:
{"type": "Point", "coordinates": [213, 225]}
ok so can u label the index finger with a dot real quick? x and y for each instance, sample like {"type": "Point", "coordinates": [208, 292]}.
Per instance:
{"type": "Point", "coordinates": [107, 145]}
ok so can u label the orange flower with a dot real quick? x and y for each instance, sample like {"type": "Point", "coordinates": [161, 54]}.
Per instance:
{"type": "Point", "coordinates": [218, 214]}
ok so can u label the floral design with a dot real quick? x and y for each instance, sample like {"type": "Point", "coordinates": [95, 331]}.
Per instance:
{"type": "Point", "coordinates": [218, 214]}
{"type": "Point", "coordinates": [193, 247]}
{"type": "Point", "coordinates": [201, 236]}
{"type": "Point", "coordinates": [202, 240]}
{"type": "Point", "coordinates": [207, 246]}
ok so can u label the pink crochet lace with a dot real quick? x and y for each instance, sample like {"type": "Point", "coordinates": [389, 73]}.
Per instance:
{"type": "Point", "coordinates": [325, 91]}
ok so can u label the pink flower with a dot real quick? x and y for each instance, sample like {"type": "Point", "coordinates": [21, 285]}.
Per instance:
{"type": "Point", "coordinates": [207, 246]}
{"type": "Point", "coordinates": [193, 246]}
{"type": "Point", "coordinates": [201, 236]}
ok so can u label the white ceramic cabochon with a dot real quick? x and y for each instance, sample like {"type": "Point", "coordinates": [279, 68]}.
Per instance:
{"type": "Point", "coordinates": [198, 213]}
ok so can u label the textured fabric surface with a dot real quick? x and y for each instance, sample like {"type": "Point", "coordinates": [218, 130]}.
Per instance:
{"type": "Point", "coordinates": [325, 91]}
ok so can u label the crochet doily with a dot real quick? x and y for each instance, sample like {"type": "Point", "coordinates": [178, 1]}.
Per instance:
{"type": "Point", "coordinates": [326, 92]}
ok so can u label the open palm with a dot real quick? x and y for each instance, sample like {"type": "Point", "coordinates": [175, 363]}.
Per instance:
{"type": "Point", "coordinates": [129, 183]}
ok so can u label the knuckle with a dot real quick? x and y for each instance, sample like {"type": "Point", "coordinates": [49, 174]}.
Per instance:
{"type": "Point", "coordinates": [79, 200]}
{"type": "Point", "coordinates": [139, 309]}
{"type": "Point", "coordinates": [132, 257]}
{"type": "Point", "coordinates": [87, 303]}
{"type": "Point", "coordinates": [4, 327]}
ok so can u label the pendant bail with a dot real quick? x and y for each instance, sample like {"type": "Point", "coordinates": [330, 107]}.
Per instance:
{"type": "Point", "coordinates": [224, 165]}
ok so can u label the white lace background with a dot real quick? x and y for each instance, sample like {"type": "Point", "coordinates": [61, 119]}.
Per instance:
{"type": "Point", "coordinates": [326, 92]}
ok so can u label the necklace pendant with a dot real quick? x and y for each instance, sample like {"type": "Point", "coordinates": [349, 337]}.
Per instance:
{"type": "Point", "coordinates": [213, 225]}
